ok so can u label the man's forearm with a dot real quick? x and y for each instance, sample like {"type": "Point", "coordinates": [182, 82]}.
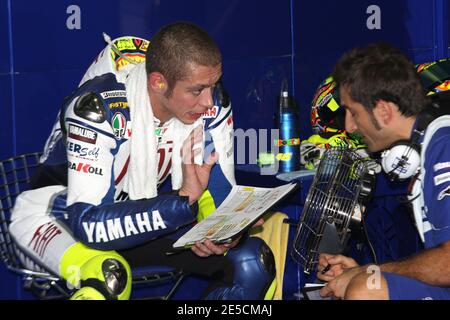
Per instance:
{"type": "Point", "coordinates": [431, 266]}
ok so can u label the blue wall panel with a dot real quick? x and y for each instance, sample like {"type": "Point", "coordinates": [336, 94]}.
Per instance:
{"type": "Point", "coordinates": [234, 24]}
{"type": "Point", "coordinates": [39, 96]}
{"type": "Point", "coordinates": [46, 43]}
{"type": "Point", "coordinates": [247, 40]}
{"type": "Point", "coordinates": [262, 43]}
{"type": "Point", "coordinates": [420, 23]}
{"type": "Point", "coordinates": [6, 124]}
{"type": "Point", "coordinates": [254, 85]}
{"type": "Point", "coordinates": [324, 30]}
{"type": "Point", "coordinates": [6, 108]}
{"type": "Point", "coordinates": [4, 53]}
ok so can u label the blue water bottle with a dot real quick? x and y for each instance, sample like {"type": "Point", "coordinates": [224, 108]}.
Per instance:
{"type": "Point", "coordinates": [289, 133]}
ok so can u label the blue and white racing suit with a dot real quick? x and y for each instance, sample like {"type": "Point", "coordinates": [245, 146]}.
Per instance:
{"type": "Point", "coordinates": [79, 193]}
{"type": "Point", "coordinates": [431, 204]}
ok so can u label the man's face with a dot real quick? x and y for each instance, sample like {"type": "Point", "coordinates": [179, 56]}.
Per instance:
{"type": "Point", "coordinates": [192, 96]}
{"type": "Point", "coordinates": [359, 119]}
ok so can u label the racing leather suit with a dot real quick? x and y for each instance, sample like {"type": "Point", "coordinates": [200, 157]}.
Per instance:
{"type": "Point", "coordinates": [79, 194]}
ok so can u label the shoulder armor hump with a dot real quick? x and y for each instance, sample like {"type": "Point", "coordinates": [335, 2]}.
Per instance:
{"type": "Point", "coordinates": [90, 107]}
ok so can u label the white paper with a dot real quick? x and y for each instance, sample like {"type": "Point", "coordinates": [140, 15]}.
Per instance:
{"type": "Point", "coordinates": [242, 207]}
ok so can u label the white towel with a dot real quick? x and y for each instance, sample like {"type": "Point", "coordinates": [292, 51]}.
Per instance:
{"type": "Point", "coordinates": [141, 179]}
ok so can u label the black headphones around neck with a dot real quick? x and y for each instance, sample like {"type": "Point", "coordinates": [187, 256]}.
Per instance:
{"type": "Point", "coordinates": [401, 160]}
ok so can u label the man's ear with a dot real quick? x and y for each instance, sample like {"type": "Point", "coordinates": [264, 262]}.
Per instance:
{"type": "Point", "coordinates": [157, 82]}
{"type": "Point", "coordinates": [385, 112]}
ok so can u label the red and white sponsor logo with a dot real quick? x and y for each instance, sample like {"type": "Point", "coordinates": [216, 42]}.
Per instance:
{"type": "Point", "coordinates": [85, 168]}
{"type": "Point", "coordinates": [42, 237]}
{"type": "Point", "coordinates": [211, 113]}
{"type": "Point", "coordinates": [82, 134]}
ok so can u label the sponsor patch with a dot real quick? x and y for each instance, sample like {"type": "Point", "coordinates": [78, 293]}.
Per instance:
{"type": "Point", "coordinates": [118, 104]}
{"type": "Point", "coordinates": [112, 229]}
{"type": "Point", "coordinates": [83, 152]}
{"type": "Point", "coordinates": [441, 165]}
{"type": "Point", "coordinates": [119, 125]}
{"type": "Point", "coordinates": [82, 134]}
{"type": "Point", "coordinates": [444, 193]}
{"type": "Point", "coordinates": [440, 179]}
{"type": "Point", "coordinates": [211, 113]}
{"type": "Point", "coordinates": [114, 94]}
{"type": "Point", "coordinates": [42, 237]}
{"type": "Point", "coordinates": [85, 168]}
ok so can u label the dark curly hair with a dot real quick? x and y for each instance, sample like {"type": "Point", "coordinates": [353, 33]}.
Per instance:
{"type": "Point", "coordinates": [381, 72]}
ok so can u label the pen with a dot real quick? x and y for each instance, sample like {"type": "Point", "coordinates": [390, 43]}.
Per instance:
{"type": "Point", "coordinates": [326, 269]}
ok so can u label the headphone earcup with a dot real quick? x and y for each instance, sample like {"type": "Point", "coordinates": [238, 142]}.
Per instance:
{"type": "Point", "coordinates": [401, 161]}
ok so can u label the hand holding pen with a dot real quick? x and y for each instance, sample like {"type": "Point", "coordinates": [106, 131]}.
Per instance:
{"type": "Point", "coordinates": [330, 266]}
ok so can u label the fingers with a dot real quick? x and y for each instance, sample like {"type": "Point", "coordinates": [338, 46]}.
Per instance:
{"type": "Point", "coordinates": [346, 262]}
{"type": "Point", "coordinates": [330, 274]}
{"type": "Point", "coordinates": [210, 162]}
{"type": "Point", "coordinates": [258, 223]}
{"type": "Point", "coordinates": [187, 152]}
{"type": "Point", "coordinates": [207, 248]}
{"type": "Point", "coordinates": [326, 256]}
{"type": "Point", "coordinates": [197, 135]}
{"type": "Point", "coordinates": [196, 152]}
{"type": "Point", "coordinates": [331, 259]}
{"type": "Point", "coordinates": [330, 266]}
{"type": "Point", "coordinates": [232, 244]}
{"type": "Point", "coordinates": [327, 290]}
{"type": "Point", "coordinates": [323, 261]}
{"type": "Point", "coordinates": [212, 158]}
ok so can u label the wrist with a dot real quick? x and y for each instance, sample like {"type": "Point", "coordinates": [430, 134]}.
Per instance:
{"type": "Point", "coordinates": [192, 203]}
{"type": "Point", "coordinates": [184, 193]}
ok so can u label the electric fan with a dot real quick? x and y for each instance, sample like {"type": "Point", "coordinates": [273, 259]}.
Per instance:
{"type": "Point", "coordinates": [344, 181]}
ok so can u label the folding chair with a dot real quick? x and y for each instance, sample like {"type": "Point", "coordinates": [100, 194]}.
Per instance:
{"type": "Point", "coordinates": [15, 177]}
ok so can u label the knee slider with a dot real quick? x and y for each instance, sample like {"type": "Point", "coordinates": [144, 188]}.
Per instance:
{"type": "Point", "coordinates": [254, 265]}
{"type": "Point", "coordinates": [110, 275]}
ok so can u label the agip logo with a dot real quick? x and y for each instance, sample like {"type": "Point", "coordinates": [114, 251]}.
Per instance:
{"type": "Point", "coordinates": [119, 125]}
